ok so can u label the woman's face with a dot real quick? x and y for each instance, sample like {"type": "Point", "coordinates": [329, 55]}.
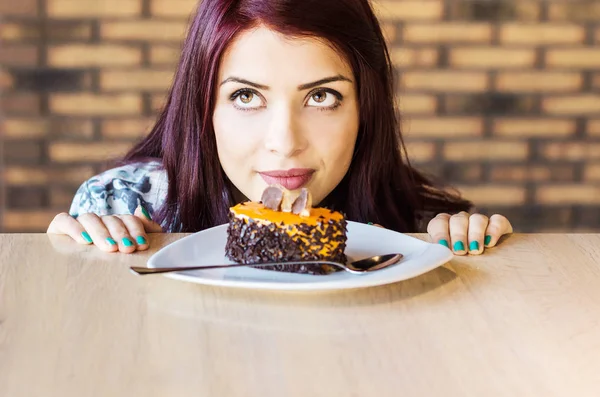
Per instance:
{"type": "Point", "coordinates": [286, 113]}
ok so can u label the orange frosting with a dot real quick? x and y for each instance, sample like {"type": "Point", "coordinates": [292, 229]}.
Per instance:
{"type": "Point", "coordinates": [258, 212]}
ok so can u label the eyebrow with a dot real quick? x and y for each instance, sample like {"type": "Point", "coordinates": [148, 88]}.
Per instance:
{"type": "Point", "coordinates": [306, 86]}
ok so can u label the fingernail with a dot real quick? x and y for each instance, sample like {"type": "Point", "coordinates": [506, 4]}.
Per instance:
{"type": "Point", "coordinates": [146, 213]}
{"type": "Point", "coordinates": [459, 246]}
{"type": "Point", "coordinates": [127, 242]}
{"type": "Point", "coordinates": [488, 240]}
{"type": "Point", "coordinates": [110, 241]}
{"type": "Point", "coordinates": [370, 223]}
{"type": "Point", "coordinates": [141, 240]}
{"type": "Point", "coordinates": [474, 246]}
{"type": "Point", "coordinates": [444, 243]}
{"type": "Point", "coordinates": [87, 237]}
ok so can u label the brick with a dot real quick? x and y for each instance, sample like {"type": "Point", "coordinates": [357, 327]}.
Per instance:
{"type": "Point", "coordinates": [456, 173]}
{"type": "Point", "coordinates": [6, 80]}
{"type": "Point", "coordinates": [568, 194]}
{"type": "Point", "coordinates": [61, 197]}
{"type": "Point", "coordinates": [157, 102]}
{"type": "Point", "coordinates": [52, 80]}
{"type": "Point", "coordinates": [417, 104]}
{"type": "Point", "coordinates": [538, 81]}
{"type": "Point", "coordinates": [593, 127]}
{"type": "Point", "coordinates": [27, 220]}
{"type": "Point", "coordinates": [541, 34]}
{"type": "Point", "coordinates": [20, 104]}
{"type": "Point", "coordinates": [22, 152]}
{"type": "Point", "coordinates": [22, 31]}
{"type": "Point", "coordinates": [21, 8]}
{"type": "Point", "coordinates": [28, 128]}
{"type": "Point", "coordinates": [19, 55]}
{"type": "Point", "coordinates": [95, 105]}
{"type": "Point", "coordinates": [571, 151]}
{"type": "Point", "coordinates": [70, 152]}
{"type": "Point", "coordinates": [443, 81]}
{"type": "Point", "coordinates": [146, 80]}
{"type": "Point", "coordinates": [93, 8]}
{"type": "Point", "coordinates": [490, 103]}
{"type": "Point", "coordinates": [389, 31]}
{"type": "Point", "coordinates": [485, 150]}
{"type": "Point", "coordinates": [596, 80]}
{"type": "Point", "coordinates": [492, 57]}
{"type": "Point", "coordinates": [572, 104]}
{"type": "Point", "coordinates": [51, 30]}
{"type": "Point", "coordinates": [25, 197]}
{"type": "Point", "coordinates": [88, 55]}
{"type": "Point", "coordinates": [529, 127]}
{"type": "Point", "coordinates": [537, 173]}
{"type": "Point", "coordinates": [420, 152]}
{"type": "Point", "coordinates": [592, 173]}
{"type": "Point", "coordinates": [24, 176]}
{"type": "Point", "coordinates": [575, 11]}
{"type": "Point", "coordinates": [453, 32]}
{"type": "Point", "coordinates": [444, 127]}
{"type": "Point", "coordinates": [153, 31]}
{"type": "Point", "coordinates": [414, 57]}
{"type": "Point", "coordinates": [173, 8]}
{"type": "Point", "coordinates": [482, 10]}
{"type": "Point", "coordinates": [164, 55]}
{"type": "Point", "coordinates": [126, 128]}
{"type": "Point", "coordinates": [573, 57]}
{"type": "Point", "coordinates": [409, 10]}
{"type": "Point", "coordinates": [493, 195]}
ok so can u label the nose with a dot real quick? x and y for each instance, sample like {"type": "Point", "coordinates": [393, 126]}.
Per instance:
{"type": "Point", "coordinates": [284, 136]}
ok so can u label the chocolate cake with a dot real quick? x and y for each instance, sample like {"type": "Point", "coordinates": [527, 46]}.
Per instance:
{"type": "Point", "coordinates": [283, 227]}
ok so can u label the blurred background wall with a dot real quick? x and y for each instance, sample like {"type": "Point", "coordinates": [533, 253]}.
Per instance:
{"type": "Point", "coordinates": [500, 98]}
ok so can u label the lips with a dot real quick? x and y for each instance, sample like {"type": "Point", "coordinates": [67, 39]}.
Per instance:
{"type": "Point", "coordinates": [292, 179]}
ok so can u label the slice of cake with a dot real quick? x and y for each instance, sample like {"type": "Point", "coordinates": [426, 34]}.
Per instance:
{"type": "Point", "coordinates": [283, 227]}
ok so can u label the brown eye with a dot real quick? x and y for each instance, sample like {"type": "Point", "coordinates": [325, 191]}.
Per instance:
{"type": "Point", "coordinates": [320, 96]}
{"type": "Point", "coordinates": [246, 97]}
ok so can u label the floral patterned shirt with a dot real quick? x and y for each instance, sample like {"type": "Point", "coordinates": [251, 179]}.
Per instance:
{"type": "Point", "coordinates": [121, 190]}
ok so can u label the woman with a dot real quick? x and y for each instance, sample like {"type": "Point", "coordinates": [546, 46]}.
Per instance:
{"type": "Point", "coordinates": [293, 92]}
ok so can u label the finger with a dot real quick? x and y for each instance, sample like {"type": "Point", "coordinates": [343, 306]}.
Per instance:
{"type": "Point", "coordinates": [459, 226]}
{"type": "Point", "coordinates": [64, 223]}
{"type": "Point", "coordinates": [439, 229]}
{"type": "Point", "coordinates": [120, 234]}
{"type": "Point", "coordinates": [149, 225]}
{"type": "Point", "coordinates": [98, 232]}
{"type": "Point", "coordinates": [135, 228]}
{"type": "Point", "coordinates": [497, 227]}
{"type": "Point", "coordinates": [477, 226]}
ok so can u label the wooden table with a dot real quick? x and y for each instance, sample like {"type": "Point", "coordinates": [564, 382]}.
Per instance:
{"type": "Point", "coordinates": [521, 320]}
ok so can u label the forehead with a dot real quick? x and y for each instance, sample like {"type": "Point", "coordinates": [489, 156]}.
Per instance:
{"type": "Point", "coordinates": [263, 55]}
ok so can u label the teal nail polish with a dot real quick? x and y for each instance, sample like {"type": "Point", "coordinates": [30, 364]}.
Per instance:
{"type": "Point", "coordinates": [110, 241]}
{"type": "Point", "coordinates": [146, 213]}
{"type": "Point", "coordinates": [87, 237]}
{"type": "Point", "coordinates": [370, 223]}
{"type": "Point", "coordinates": [488, 240]}
{"type": "Point", "coordinates": [474, 246]}
{"type": "Point", "coordinates": [127, 242]}
{"type": "Point", "coordinates": [141, 240]}
{"type": "Point", "coordinates": [444, 243]}
{"type": "Point", "coordinates": [459, 246]}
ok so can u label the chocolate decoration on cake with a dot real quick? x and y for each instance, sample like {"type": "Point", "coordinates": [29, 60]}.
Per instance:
{"type": "Point", "coordinates": [272, 197]}
{"type": "Point", "coordinates": [303, 203]}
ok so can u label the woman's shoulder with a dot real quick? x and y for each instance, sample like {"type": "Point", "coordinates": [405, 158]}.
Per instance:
{"type": "Point", "coordinates": [122, 189]}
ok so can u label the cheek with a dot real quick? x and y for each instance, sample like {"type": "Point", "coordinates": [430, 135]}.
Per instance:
{"type": "Point", "coordinates": [235, 136]}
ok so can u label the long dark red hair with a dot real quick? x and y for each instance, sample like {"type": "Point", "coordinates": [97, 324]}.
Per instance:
{"type": "Point", "coordinates": [380, 185]}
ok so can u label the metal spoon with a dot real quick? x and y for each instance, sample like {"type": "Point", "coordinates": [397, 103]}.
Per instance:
{"type": "Point", "coordinates": [357, 267]}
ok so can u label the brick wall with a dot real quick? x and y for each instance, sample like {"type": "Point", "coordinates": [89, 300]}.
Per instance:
{"type": "Point", "coordinates": [501, 98]}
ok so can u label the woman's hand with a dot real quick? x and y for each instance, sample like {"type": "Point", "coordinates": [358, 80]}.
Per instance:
{"type": "Point", "coordinates": [464, 233]}
{"type": "Point", "coordinates": [110, 233]}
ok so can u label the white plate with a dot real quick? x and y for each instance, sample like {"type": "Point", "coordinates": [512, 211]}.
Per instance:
{"type": "Point", "coordinates": [208, 248]}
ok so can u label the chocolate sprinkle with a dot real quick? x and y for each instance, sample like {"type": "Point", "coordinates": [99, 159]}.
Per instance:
{"type": "Point", "coordinates": [255, 243]}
